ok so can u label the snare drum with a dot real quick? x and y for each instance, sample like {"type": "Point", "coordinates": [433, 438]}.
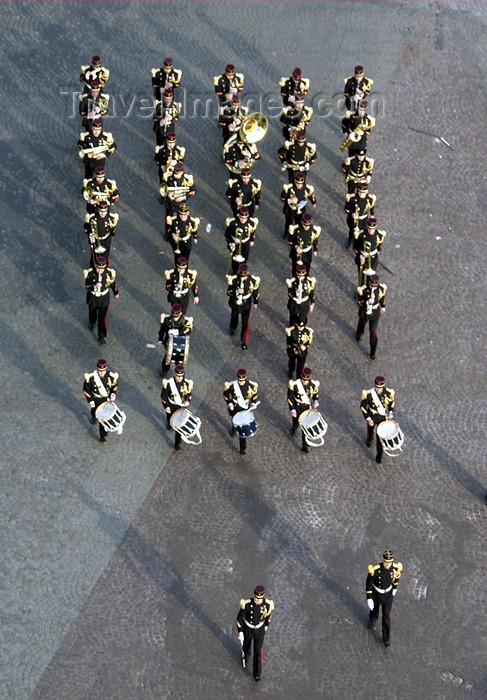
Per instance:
{"type": "Point", "coordinates": [391, 437]}
{"type": "Point", "coordinates": [187, 425]}
{"type": "Point", "coordinates": [313, 426]}
{"type": "Point", "coordinates": [177, 350]}
{"type": "Point", "coordinates": [245, 424]}
{"type": "Point", "coordinates": [111, 417]}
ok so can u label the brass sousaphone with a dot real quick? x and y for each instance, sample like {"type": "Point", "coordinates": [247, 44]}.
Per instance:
{"type": "Point", "coordinates": [252, 129]}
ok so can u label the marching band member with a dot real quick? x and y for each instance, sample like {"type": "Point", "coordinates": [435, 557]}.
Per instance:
{"type": "Point", "coordinates": [94, 147]}
{"type": "Point", "coordinates": [253, 620]}
{"type": "Point", "coordinates": [174, 324]}
{"type": "Point", "coordinates": [380, 589]}
{"type": "Point", "coordinates": [371, 300]}
{"type": "Point", "coordinates": [296, 196]}
{"type": "Point", "coordinates": [299, 338]}
{"type": "Point", "coordinates": [303, 242]}
{"type": "Point", "coordinates": [165, 77]}
{"type": "Point", "coordinates": [356, 88]}
{"type": "Point", "coordinates": [357, 128]}
{"type": "Point", "coordinates": [293, 85]}
{"type": "Point", "coordinates": [302, 395]}
{"type": "Point", "coordinates": [297, 155]}
{"type": "Point", "coordinates": [243, 296]}
{"type": "Point", "coordinates": [296, 117]}
{"type": "Point", "coordinates": [358, 170]}
{"type": "Point", "coordinates": [95, 71]}
{"type": "Point", "coordinates": [301, 294]}
{"type": "Point", "coordinates": [98, 282]}
{"type": "Point", "coordinates": [358, 206]}
{"type": "Point", "coordinates": [231, 118]}
{"type": "Point", "coordinates": [180, 282]}
{"type": "Point", "coordinates": [93, 104]}
{"type": "Point", "coordinates": [240, 237]}
{"type": "Point", "coordinates": [177, 186]}
{"type": "Point", "coordinates": [182, 232]}
{"type": "Point", "coordinates": [100, 228]}
{"type": "Point", "coordinates": [240, 154]}
{"type": "Point", "coordinates": [175, 394]}
{"type": "Point", "coordinates": [240, 395]}
{"type": "Point", "coordinates": [228, 85]}
{"type": "Point", "coordinates": [99, 188]}
{"type": "Point", "coordinates": [366, 247]}
{"type": "Point", "coordinates": [100, 386]}
{"type": "Point", "coordinates": [244, 191]}
{"type": "Point", "coordinates": [377, 405]}
{"type": "Point", "coordinates": [168, 155]}
{"type": "Point", "coordinates": [166, 115]}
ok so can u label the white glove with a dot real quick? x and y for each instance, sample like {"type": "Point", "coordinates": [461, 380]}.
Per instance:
{"type": "Point", "coordinates": [241, 637]}
{"type": "Point", "coordinates": [92, 404]}
{"type": "Point", "coordinates": [370, 603]}
{"type": "Point", "coordinates": [394, 591]}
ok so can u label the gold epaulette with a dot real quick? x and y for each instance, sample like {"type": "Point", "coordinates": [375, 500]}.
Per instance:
{"type": "Point", "coordinates": [289, 330]}
{"type": "Point", "coordinates": [107, 135]}
{"type": "Point", "coordinates": [257, 183]}
{"type": "Point", "coordinates": [316, 383]}
{"type": "Point", "coordinates": [372, 568]}
{"type": "Point", "coordinates": [398, 566]}
{"type": "Point", "coordinates": [163, 317]}
{"type": "Point", "coordinates": [244, 602]}
{"type": "Point", "coordinates": [165, 382]}
{"type": "Point", "coordinates": [255, 280]}
{"type": "Point", "coordinates": [282, 82]}
{"type": "Point", "coordinates": [196, 220]}
{"type": "Point", "coordinates": [291, 384]}
{"type": "Point", "coordinates": [270, 604]}
{"type": "Point", "coordinates": [216, 79]}
{"type": "Point", "coordinates": [227, 385]}
{"type": "Point", "coordinates": [88, 376]}
{"type": "Point", "coordinates": [228, 221]}
{"type": "Point", "coordinates": [230, 183]}
{"type": "Point", "coordinates": [114, 376]}
{"type": "Point", "coordinates": [190, 385]}
{"type": "Point", "coordinates": [365, 393]}
{"type": "Point", "coordinates": [168, 273]}
{"type": "Point", "coordinates": [87, 272]}
{"type": "Point", "coordinates": [231, 279]}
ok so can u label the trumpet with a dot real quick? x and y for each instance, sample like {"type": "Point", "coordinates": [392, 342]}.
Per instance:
{"type": "Point", "coordinates": [365, 267]}
{"type": "Point", "coordinates": [95, 150]}
{"type": "Point", "coordinates": [173, 192]}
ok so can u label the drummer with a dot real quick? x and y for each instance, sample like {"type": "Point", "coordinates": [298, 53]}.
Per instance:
{"type": "Point", "coordinates": [173, 324]}
{"type": "Point", "coordinates": [100, 386]}
{"type": "Point", "coordinates": [240, 395]}
{"type": "Point", "coordinates": [302, 395]}
{"type": "Point", "coordinates": [377, 405]}
{"type": "Point", "coordinates": [176, 394]}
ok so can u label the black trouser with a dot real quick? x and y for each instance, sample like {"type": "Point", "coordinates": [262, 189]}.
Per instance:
{"type": "Point", "coordinates": [384, 600]}
{"type": "Point", "coordinates": [100, 314]}
{"type": "Point", "coordinates": [245, 313]}
{"type": "Point", "coordinates": [370, 435]}
{"type": "Point", "coordinates": [103, 432]}
{"type": "Point", "coordinates": [296, 362]}
{"type": "Point", "coordinates": [373, 322]}
{"type": "Point", "coordinates": [258, 637]}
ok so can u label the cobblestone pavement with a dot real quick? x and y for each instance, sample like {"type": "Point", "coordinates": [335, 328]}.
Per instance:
{"type": "Point", "coordinates": [123, 564]}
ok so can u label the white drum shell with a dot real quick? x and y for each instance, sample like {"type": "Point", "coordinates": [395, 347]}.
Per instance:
{"type": "Point", "coordinates": [391, 437]}
{"type": "Point", "coordinates": [110, 416]}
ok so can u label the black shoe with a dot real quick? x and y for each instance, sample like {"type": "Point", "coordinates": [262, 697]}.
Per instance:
{"type": "Point", "coordinates": [232, 331]}
{"type": "Point", "coordinates": [293, 431]}
{"type": "Point", "coordinates": [358, 337]}
{"type": "Point", "coordinates": [347, 245]}
{"type": "Point", "coordinates": [371, 624]}
{"type": "Point", "coordinates": [92, 420]}
{"type": "Point", "coordinates": [305, 448]}
{"type": "Point", "coordinates": [244, 346]}
{"type": "Point", "coordinates": [242, 452]}
{"type": "Point", "coordinates": [177, 447]}
{"type": "Point", "coordinates": [368, 443]}
{"type": "Point", "coordinates": [372, 356]}
{"type": "Point", "coordinates": [103, 439]}
{"type": "Point", "coordinates": [387, 644]}
{"type": "Point", "coordinates": [91, 326]}
{"type": "Point", "coordinates": [290, 374]}
{"type": "Point", "coordinates": [232, 431]}
{"type": "Point", "coordinates": [256, 678]}
{"type": "Point", "coordinates": [486, 497]}
{"type": "Point", "coordinates": [101, 340]}
{"type": "Point", "coordinates": [378, 460]}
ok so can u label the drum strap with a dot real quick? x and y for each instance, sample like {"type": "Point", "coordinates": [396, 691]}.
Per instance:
{"type": "Point", "coordinates": [302, 395]}
{"type": "Point", "coordinates": [379, 407]}
{"type": "Point", "coordinates": [244, 403]}
{"type": "Point", "coordinates": [102, 390]}
{"type": "Point", "coordinates": [175, 395]}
